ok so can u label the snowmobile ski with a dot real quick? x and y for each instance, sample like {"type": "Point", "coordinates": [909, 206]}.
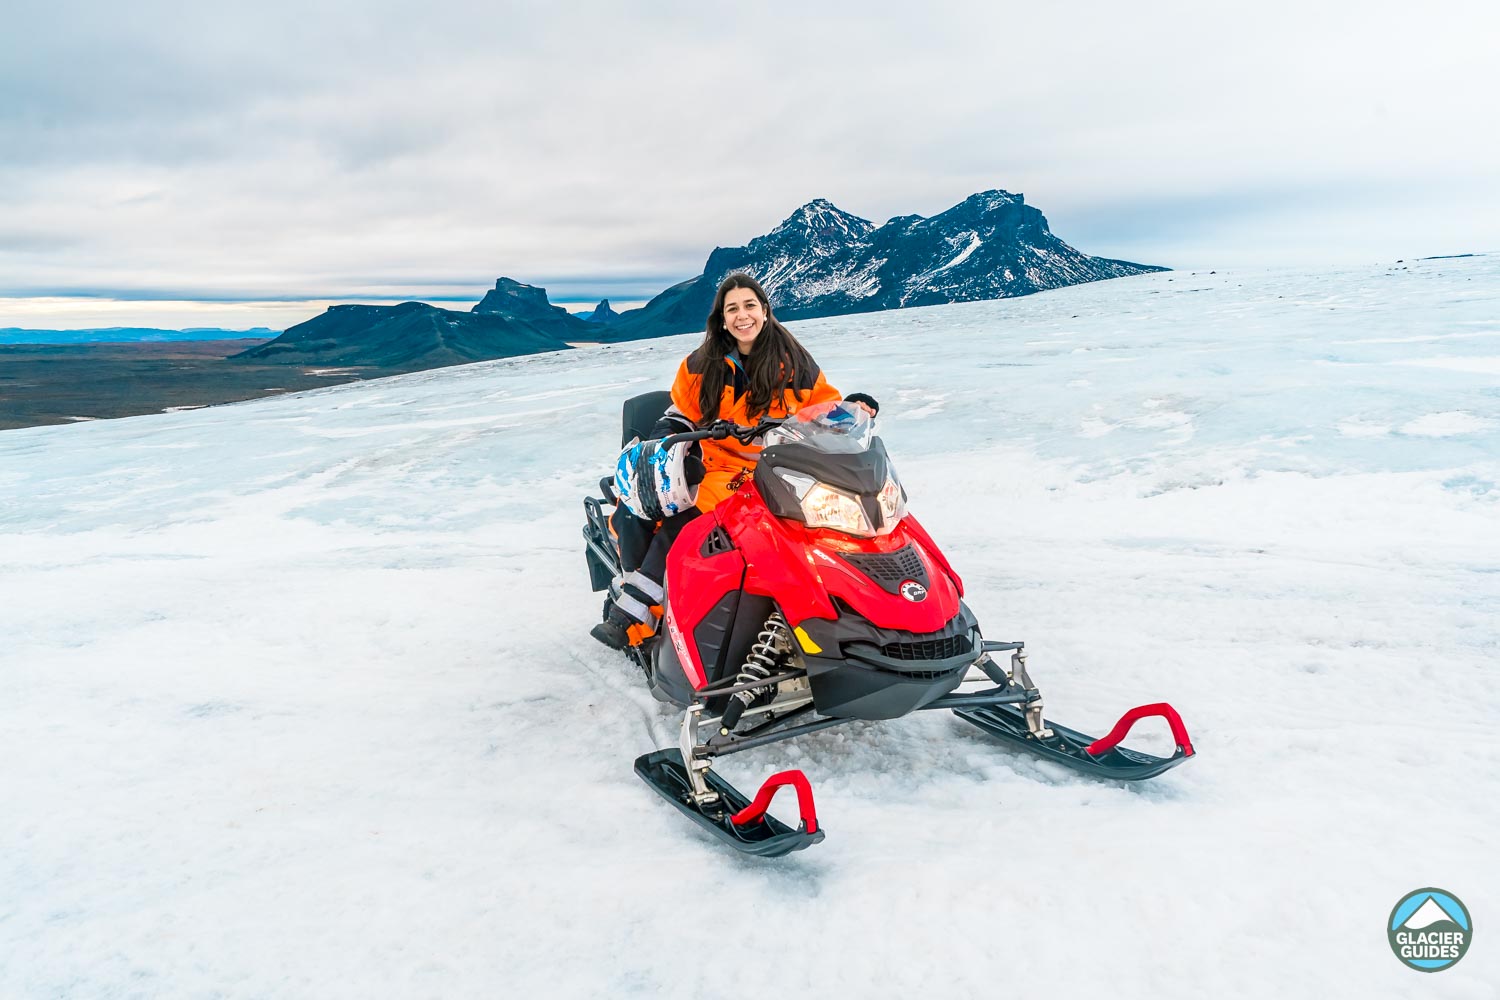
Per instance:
{"type": "Point", "coordinates": [731, 817]}
{"type": "Point", "coordinates": [1102, 757]}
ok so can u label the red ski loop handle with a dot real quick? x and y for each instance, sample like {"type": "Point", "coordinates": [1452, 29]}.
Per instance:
{"type": "Point", "coordinates": [797, 780]}
{"type": "Point", "coordinates": [1130, 718]}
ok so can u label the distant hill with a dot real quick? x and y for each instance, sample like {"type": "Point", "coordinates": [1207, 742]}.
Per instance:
{"type": "Point", "coordinates": [412, 336]}
{"type": "Point", "coordinates": [601, 313]}
{"type": "Point", "coordinates": [127, 334]}
{"type": "Point", "coordinates": [822, 261]}
{"type": "Point", "coordinates": [529, 304]}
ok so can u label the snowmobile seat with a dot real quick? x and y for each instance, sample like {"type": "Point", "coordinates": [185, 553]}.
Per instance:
{"type": "Point", "coordinates": [631, 536]}
{"type": "Point", "coordinates": [641, 414]}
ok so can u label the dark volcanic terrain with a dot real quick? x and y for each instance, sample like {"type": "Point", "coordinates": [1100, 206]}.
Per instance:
{"type": "Point", "coordinates": [62, 383]}
{"type": "Point", "coordinates": [414, 336]}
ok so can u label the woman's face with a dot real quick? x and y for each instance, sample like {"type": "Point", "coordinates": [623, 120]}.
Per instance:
{"type": "Point", "coordinates": [744, 317]}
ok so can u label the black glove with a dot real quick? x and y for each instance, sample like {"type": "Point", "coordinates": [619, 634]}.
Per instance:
{"type": "Point", "coordinates": [671, 423]}
{"type": "Point", "coordinates": [863, 397]}
{"type": "Point", "coordinates": [692, 464]}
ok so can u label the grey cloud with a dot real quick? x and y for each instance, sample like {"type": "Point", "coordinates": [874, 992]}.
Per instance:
{"type": "Point", "coordinates": [326, 149]}
{"type": "Point", "coordinates": [35, 241]}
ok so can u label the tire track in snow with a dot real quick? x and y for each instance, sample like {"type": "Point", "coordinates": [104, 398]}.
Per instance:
{"type": "Point", "coordinates": [632, 691]}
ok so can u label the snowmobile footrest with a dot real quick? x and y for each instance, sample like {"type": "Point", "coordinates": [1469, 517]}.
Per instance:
{"type": "Point", "coordinates": [1072, 748]}
{"type": "Point", "coordinates": [757, 832]}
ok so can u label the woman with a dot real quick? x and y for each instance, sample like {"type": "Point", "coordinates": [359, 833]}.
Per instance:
{"type": "Point", "coordinates": [748, 367]}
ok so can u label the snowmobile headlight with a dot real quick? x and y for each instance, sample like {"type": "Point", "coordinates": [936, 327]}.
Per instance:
{"type": "Point", "coordinates": [825, 507]}
{"type": "Point", "coordinates": [892, 505]}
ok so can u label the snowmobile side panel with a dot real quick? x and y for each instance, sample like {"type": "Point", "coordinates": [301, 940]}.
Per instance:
{"type": "Point", "coordinates": [802, 570]}
{"type": "Point", "coordinates": [669, 682]}
{"type": "Point", "coordinates": [763, 836]}
{"type": "Point", "coordinates": [1068, 746]}
{"type": "Point", "coordinates": [779, 567]}
{"type": "Point", "coordinates": [694, 587]}
{"type": "Point", "coordinates": [712, 633]}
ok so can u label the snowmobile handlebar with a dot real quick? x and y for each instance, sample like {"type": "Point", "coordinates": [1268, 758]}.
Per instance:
{"type": "Point", "coordinates": [721, 429]}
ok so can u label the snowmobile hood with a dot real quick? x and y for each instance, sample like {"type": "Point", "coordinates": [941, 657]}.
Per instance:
{"type": "Point", "coordinates": [896, 581]}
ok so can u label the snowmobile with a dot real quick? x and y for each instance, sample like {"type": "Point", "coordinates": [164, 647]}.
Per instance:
{"type": "Point", "coordinates": [809, 598]}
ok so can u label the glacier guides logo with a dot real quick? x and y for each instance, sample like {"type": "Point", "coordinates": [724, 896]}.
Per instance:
{"type": "Point", "coordinates": [1430, 930]}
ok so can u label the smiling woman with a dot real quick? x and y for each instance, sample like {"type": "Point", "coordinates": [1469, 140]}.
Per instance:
{"type": "Point", "coordinates": [744, 343]}
{"type": "Point", "coordinates": [744, 316]}
{"type": "Point", "coordinates": [748, 368]}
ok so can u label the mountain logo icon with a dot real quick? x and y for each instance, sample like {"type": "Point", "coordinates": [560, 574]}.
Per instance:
{"type": "Point", "coordinates": [1430, 929]}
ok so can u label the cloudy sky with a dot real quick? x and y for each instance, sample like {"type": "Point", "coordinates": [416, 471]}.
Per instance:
{"type": "Point", "coordinates": [190, 164]}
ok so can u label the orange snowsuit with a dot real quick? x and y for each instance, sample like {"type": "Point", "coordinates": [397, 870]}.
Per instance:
{"type": "Point", "coordinates": [728, 464]}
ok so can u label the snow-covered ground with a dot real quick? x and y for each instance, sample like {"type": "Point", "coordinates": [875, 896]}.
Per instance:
{"type": "Point", "coordinates": [297, 698]}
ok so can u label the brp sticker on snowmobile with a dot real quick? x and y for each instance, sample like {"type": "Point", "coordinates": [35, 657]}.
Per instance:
{"type": "Point", "coordinates": [684, 654]}
{"type": "Point", "coordinates": [913, 591]}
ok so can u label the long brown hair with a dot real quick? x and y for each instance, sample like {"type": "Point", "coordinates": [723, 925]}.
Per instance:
{"type": "Point", "coordinates": [776, 361]}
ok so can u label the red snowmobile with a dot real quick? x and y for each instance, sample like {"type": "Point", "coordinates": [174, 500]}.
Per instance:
{"type": "Point", "coordinates": [809, 598]}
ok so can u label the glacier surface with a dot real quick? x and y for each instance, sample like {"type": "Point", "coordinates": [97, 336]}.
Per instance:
{"type": "Point", "coordinates": [297, 697]}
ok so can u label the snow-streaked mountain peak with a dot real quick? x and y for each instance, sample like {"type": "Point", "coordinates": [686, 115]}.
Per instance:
{"type": "Point", "coordinates": [988, 201]}
{"type": "Point", "coordinates": [822, 217]}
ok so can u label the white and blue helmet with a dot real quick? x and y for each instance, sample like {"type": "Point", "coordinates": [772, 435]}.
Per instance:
{"type": "Point", "coordinates": [650, 480]}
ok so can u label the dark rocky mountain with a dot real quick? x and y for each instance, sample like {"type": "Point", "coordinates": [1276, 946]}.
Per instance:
{"type": "Point", "coordinates": [528, 303]}
{"type": "Point", "coordinates": [822, 261]}
{"type": "Point", "coordinates": [602, 313]}
{"type": "Point", "coordinates": [413, 336]}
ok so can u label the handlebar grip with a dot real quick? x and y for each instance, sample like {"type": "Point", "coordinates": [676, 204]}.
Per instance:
{"type": "Point", "coordinates": [721, 429]}
{"type": "Point", "coordinates": [672, 439]}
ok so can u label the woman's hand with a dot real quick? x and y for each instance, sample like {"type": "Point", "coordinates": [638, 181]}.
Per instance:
{"type": "Point", "coordinates": [864, 399]}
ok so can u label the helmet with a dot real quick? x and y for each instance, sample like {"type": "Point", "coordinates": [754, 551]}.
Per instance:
{"type": "Point", "coordinates": [651, 480]}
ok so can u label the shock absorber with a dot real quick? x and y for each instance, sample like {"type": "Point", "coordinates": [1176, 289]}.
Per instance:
{"type": "Point", "coordinates": [763, 660]}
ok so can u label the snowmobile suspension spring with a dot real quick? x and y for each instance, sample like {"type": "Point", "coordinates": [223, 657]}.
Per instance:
{"type": "Point", "coordinates": [760, 663]}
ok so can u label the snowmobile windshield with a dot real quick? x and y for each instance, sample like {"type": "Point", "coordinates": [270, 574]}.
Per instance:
{"type": "Point", "coordinates": [836, 427]}
{"type": "Point", "coordinates": [826, 468]}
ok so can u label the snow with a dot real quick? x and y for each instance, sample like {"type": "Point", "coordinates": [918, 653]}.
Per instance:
{"type": "Point", "coordinates": [1482, 366]}
{"type": "Point", "coordinates": [1447, 424]}
{"type": "Point", "coordinates": [297, 697]}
